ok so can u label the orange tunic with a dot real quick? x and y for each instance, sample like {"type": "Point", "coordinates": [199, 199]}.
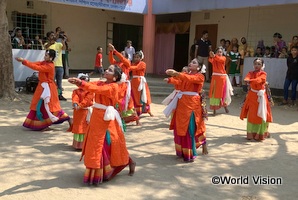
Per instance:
{"type": "Point", "coordinates": [84, 100]}
{"type": "Point", "coordinates": [251, 104]}
{"type": "Point", "coordinates": [124, 63]}
{"type": "Point", "coordinates": [139, 69]}
{"type": "Point", "coordinates": [46, 74]}
{"type": "Point", "coordinates": [218, 83]}
{"type": "Point", "coordinates": [188, 104]}
{"type": "Point", "coordinates": [106, 94]}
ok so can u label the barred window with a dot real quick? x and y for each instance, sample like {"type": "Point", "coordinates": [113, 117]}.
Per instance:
{"type": "Point", "coordinates": [32, 25]}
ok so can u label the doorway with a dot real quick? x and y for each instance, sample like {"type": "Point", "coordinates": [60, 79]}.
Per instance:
{"type": "Point", "coordinates": [181, 51]}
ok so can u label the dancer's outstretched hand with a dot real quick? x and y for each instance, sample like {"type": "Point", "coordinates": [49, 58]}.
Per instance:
{"type": "Point", "coordinates": [75, 81]}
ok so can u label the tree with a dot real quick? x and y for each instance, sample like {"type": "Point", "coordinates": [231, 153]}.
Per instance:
{"type": "Point", "coordinates": [6, 68]}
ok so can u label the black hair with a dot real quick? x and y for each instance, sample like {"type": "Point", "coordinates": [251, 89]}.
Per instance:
{"type": "Point", "coordinates": [99, 47]}
{"type": "Point", "coordinates": [204, 32]}
{"type": "Point", "coordinates": [267, 48]}
{"type": "Point", "coordinates": [18, 29]}
{"type": "Point", "coordinates": [223, 40]}
{"type": "Point", "coordinates": [295, 36]}
{"type": "Point", "coordinates": [228, 41]}
{"type": "Point", "coordinates": [294, 47]}
{"type": "Point", "coordinates": [49, 33]}
{"type": "Point", "coordinates": [117, 73]}
{"type": "Point", "coordinates": [52, 53]}
{"type": "Point", "coordinates": [278, 35]}
{"type": "Point", "coordinates": [57, 28]}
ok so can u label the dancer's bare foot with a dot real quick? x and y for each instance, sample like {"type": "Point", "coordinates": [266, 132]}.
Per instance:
{"type": "Point", "coordinates": [204, 149]}
{"type": "Point", "coordinates": [151, 115]}
{"type": "Point", "coordinates": [132, 166]}
{"type": "Point", "coordinates": [138, 123]}
{"type": "Point", "coordinates": [226, 109]}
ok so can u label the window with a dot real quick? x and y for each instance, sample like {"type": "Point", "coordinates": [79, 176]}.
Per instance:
{"type": "Point", "coordinates": [31, 24]}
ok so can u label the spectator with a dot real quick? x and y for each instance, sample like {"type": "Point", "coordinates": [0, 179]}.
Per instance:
{"type": "Point", "coordinates": [267, 53]}
{"type": "Point", "coordinates": [130, 50]}
{"type": "Point", "coordinates": [98, 68]}
{"type": "Point", "coordinates": [278, 44]}
{"type": "Point", "coordinates": [57, 46]}
{"type": "Point", "coordinates": [258, 52]}
{"type": "Point", "coordinates": [18, 41]}
{"type": "Point", "coordinates": [291, 77]}
{"type": "Point", "coordinates": [204, 47]}
{"type": "Point", "coordinates": [284, 53]}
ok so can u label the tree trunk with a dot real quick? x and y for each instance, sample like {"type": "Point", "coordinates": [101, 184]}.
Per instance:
{"type": "Point", "coordinates": [6, 68]}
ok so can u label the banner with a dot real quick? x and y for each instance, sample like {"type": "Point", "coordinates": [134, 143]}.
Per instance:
{"type": "Point", "coordinates": [20, 71]}
{"type": "Point", "coordinates": [133, 6]}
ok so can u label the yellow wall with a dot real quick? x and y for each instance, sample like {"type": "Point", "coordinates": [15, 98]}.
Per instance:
{"type": "Point", "coordinates": [86, 27]}
{"type": "Point", "coordinates": [253, 23]}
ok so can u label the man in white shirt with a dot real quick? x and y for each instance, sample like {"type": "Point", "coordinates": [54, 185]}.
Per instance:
{"type": "Point", "coordinates": [130, 50]}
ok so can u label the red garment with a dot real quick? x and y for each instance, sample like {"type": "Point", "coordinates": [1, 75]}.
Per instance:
{"type": "Point", "coordinates": [97, 60]}
{"type": "Point", "coordinates": [218, 83]}
{"type": "Point", "coordinates": [83, 99]}
{"type": "Point", "coordinates": [188, 104]}
{"type": "Point", "coordinates": [257, 81]}
{"type": "Point", "coordinates": [106, 94]}
{"type": "Point", "coordinates": [139, 69]}
{"type": "Point", "coordinates": [46, 73]}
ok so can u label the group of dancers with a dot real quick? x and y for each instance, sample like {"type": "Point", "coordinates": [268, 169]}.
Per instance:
{"type": "Point", "coordinates": [102, 108]}
{"type": "Point", "coordinates": [187, 104]}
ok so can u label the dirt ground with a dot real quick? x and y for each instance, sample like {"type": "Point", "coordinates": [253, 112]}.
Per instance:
{"type": "Point", "coordinates": [43, 165]}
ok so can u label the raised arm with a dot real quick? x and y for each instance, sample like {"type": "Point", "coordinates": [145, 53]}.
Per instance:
{"type": "Point", "coordinates": [38, 66]}
{"type": "Point", "coordinates": [124, 60]}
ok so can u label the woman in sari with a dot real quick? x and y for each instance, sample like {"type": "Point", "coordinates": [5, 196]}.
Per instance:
{"type": "Point", "coordinates": [45, 107]}
{"type": "Point", "coordinates": [220, 88]}
{"type": "Point", "coordinates": [139, 87]}
{"type": "Point", "coordinates": [256, 107]}
{"type": "Point", "coordinates": [187, 121]}
{"type": "Point", "coordinates": [104, 149]}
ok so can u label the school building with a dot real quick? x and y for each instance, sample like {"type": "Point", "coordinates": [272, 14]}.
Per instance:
{"type": "Point", "coordinates": [163, 29]}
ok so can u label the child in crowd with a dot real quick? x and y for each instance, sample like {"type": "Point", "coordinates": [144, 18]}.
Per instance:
{"type": "Point", "coordinates": [267, 53]}
{"type": "Point", "coordinates": [98, 68]}
{"type": "Point", "coordinates": [258, 52]}
{"type": "Point", "coordinates": [284, 53]}
{"type": "Point", "coordinates": [234, 69]}
{"type": "Point", "coordinates": [81, 101]}
{"type": "Point", "coordinates": [256, 107]}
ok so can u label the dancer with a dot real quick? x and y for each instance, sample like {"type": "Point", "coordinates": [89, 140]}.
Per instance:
{"type": "Point", "coordinates": [140, 90]}
{"type": "Point", "coordinates": [126, 105]}
{"type": "Point", "coordinates": [81, 101]}
{"type": "Point", "coordinates": [45, 107]}
{"type": "Point", "coordinates": [256, 107]}
{"type": "Point", "coordinates": [187, 121]}
{"type": "Point", "coordinates": [220, 88]}
{"type": "Point", "coordinates": [104, 148]}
